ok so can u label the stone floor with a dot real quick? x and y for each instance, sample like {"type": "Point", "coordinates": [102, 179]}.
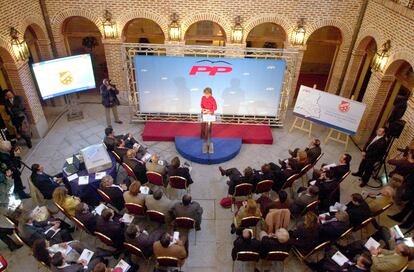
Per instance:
{"type": "Point", "coordinates": [214, 241]}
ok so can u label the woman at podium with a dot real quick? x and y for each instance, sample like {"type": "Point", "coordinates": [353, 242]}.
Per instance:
{"type": "Point", "coordinates": [208, 106]}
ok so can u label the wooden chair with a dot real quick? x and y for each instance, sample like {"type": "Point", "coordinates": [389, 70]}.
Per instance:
{"type": "Point", "coordinates": [241, 190]}
{"type": "Point", "coordinates": [304, 171]}
{"type": "Point", "coordinates": [304, 257]}
{"type": "Point", "coordinates": [104, 196]}
{"type": "Point", "coordinates": [129, 171]}
{"type": "Point", "coordinates": [264, 186]}
{"type": "Point", "coordinates": [289, 183]}
{"type": "Point", "coordinates": [310, 207]}
{"type": "Point", "coordinates": [378, 213]}
{"type": "Point", "coordinates": [167, 262]}
{"type": "Point", "coordinates": [156, 216]}
{"type": "Point", "coordinates": [188, 224]}
{"type": "Point", "coordinates": [344, 234]}
{"type": "Point", "coordinates": [363, 225]}
{"type": "Point", "coordinates": [277, 256]}
{"type": "Point", "coordinates": [246, 256]}
{"type": "Point", "coordinates": [155, 178]}
{"type": "Point", "coordinates": [136, 251]}
{"type": "Point", "coordinates": [248, 222]}
{"type": "Point", "coordinates": [104, 239]}
{"type": "Point", "coordinates": [62, 210]}
{"type": "Point", "coordinates": [81, 227]}
{"type": "Point", "coordinates": [178, 183]}
{"type": "Point", "coordinates": [135, 209]}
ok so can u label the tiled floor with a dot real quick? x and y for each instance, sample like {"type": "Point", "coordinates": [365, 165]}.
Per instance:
{"type": "Point", "coordinates": [214, 241]}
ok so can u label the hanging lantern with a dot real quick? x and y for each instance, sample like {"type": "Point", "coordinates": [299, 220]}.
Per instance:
{"type": "Point", "coordinates": [19, 47]}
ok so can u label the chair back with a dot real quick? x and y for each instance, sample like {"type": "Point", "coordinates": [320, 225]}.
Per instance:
{"type": "Point", "coordinates": [61, 209]}
{"type": "Point", "coordinates": [135, 209]}
{"type": "Point", "coordinates": [305, 169]}
{"type": "Point", "coordinates": [104, 239]}
{"type": "Point", "coordinates": [317, 159]}
{"type": "Point", "coordinates": [184, 222]}
{"type": "Point", "coordinates": [277, 256]}
{"type": "Point", "coordinates": [250, 221]}
{"type": "Point", "coordinates": [3, 263]}
{"type": "Point", "coordinates": [80, 225]}
{"type": "Point", "coordinates": [104, 196]}
{"type": "Point", "coordinates": [178, 182]}
{"type": "Point", "coordinates": [21, 240]}
{"type": "Point", "coordinates": [35, 194]}
{"type": "Point", "coordinates": [264, 186]}
{"type": "Point", "coordinates": [165, 261]}
{"type": "Point", "coordinates": [156, 216]}
{"type": "Point", "coordinates": [344, 176]}
{"type": "Point", "coordinates": [310, 207]}
{"type": "Point", "coordinates": [129, 171]}
{"type": "Point", "coordinates": [155, 178]}
{"type": "Point", "coordinates": [134, 250]}
{"type": "Point", "coordinates": [319, 247]}
{"type": "Point", "coordinates": [383, 209]}
{"type": "Point", "coordinates": [404, 268]}
{"type": "Point", "coordinates": [117, 157]}
{"type": "Point", "coordinates": [289, 182]}
{"type": "Point", "coordinates": [247, 256]}
{"type": "Point", "coordinates": [10, 221]}
{"type": "Point", "coordinates": [243, 189]}
{"type": "Point", "coordinates": [345, 233]}
{"type": "Point", "coordinates": [364, 224]}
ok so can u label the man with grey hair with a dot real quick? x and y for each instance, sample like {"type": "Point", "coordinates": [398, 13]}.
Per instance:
{"type": "Point", "coordinates": [278, 241]}
{"type": "Point", "coordinates": [154, 165]}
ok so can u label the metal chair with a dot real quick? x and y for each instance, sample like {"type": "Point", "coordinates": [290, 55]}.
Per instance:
{"type": "Point", "coordinates": [344, 234]}
{"type": "Point", "coordinates": [304, 171]}
{"type": "Point", "coordinates": [246, 256]}
{"type": "Point", "coordinates": [118, 159]}
{"type": "Point", "coordinates": [241, 190]}
{"type": "Point", "coordinates": [134, 250]}
{"type": "Point", "coordinates": [289, 183]}
{"type": "Point", "coordinates": [104, 196]}
{"type": "Point", "coordinates": [62, 210]}
{"type": "Point", "coordinates": [317, 159]}
{"type": "Point", "coordinates": [310, 207]}
{"type": "Point", "coordinates": [167, 262]}
{"type": "Point", "coordinates": [277, 256]}
{"type": "Point", "coordinates": [404, 268]}
{"type": "Point", "coordinates": [129, 171]}
{"type": "Point", "coordinates": [250, 221]}
{"type": "Point", "coordinates": [104, 239]}
{"type": "Point", "coordinates": [378, 213]}
{"type": "Point", "coordinates": [178, 183]}
{"type": "Point", "coordinates": [188, 224]}
{"type": "Point", "coordinates": [135, 209]}
{"type": "Point", "coordinates": [81, 227]}
{"type": "Point", "coordinates": [156, 216]}
{"type": "Point", "coordinates": [155, 178]}
{"type": "Point", "coordinates": [344, 177]}
{"type": "Point", "coordinates": [263, 186]}
{"type": "Point", "coordinates": [303, 257]}
{"type": "Point", "coordinates": [363, 225]}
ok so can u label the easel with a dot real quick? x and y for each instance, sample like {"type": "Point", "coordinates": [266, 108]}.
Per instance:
{"type": "Point", "coordinates": [305, 125]}
{"type": "Point", "coordinates": [339, 137]}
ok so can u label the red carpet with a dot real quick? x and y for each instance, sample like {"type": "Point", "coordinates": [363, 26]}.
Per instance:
{"type": "Point", "coordinates": [167, 131]}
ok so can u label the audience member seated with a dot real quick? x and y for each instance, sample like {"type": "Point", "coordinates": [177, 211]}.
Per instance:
{"type": "Point", "coordinates": [389, 260]}
{"type": "Point", "coordinates": [5, 234]}
{"type": "Point", "coordinates": [160, 203]}
{"type": "Point", "coordinates": [363, 263]}
{"type": "Point", "coordinates": [298, 162]}
{"type": "Point", "coordinates": [174, 169]}
{"type": "Point", "coordinates": [137, 166]}
{"type": "Point", "coordinates": [153, 165]}
{"type": "Point", "coordinates": [245, 242]}
{"type": "Point", "coordinates": [403, 166]}
{"type": "Point", "coordinates": [276, 219]}
{"type": "Point", "coordinates": [42, 250]}
{"type": "Point", "coordinates": [266, 173]}
{"type": "Point", "coordinates": [89, 219]}
{"type": "Point", "coordinates": [67, 202]}
{"type": "Point", "coordinates": [120, 148]}
{"type": "Point", "coordinates": [60, 264]}
{"type": "Point", "coordinates": [304, 198]}
{"type": "Point", "coordinates": [313, 151]}
{"type": "Point", "coordinates": [188, 208]}
{"type": "Point", "coordinates": [133, 195]}
{"type": "Point", "coordinates": [115, 192]}
{"type": "Point", "coordinates": [249, 208]}
{"type": "Point", "coordinates": [142, 239]}
{"type": "Point", "coordinates": [281, 202]}
{"type": "Point", "coordinates": [408, 209]}
{"type": "Point", "coordinates": [281, 175]}
{"type": "Point", "coordinates": [30, 230]}
{"type": "Point", "coordinates": [278, 241]}
{"type": "Point", "coordinates": [113, 229]}
{"type": "Point", "coordinates": [45, 183]}
{"type": "Point", "coordinates": [377, 201]}
{"type": "Point", "coordinates": [306, 236]}
{"type": "Point", "coordinates": [110, 139]}
{"type": "Point", "coordinates": [333, 171]}
{"type": "Point", "coordinates": [334, 227]}
{"type": "Point", "coordinates": [165, 247]}
{"type": "Point", "coordinates": [236, 178]}
{"type": "Point", "coordinates": [358, 210]}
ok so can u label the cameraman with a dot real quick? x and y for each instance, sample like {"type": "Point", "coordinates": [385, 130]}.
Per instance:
{"type": "Point", "coordinates": [110, 101]}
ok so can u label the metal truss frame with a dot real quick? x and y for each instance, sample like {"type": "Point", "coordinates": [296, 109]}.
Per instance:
{"type": "Point", "coordinates": [129, 50]}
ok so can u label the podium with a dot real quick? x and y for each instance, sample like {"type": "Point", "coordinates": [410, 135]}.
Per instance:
{"type": "Point", "coordinates": [208, 146]}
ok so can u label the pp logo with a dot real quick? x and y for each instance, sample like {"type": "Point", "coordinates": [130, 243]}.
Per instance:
{"type": "Point", "coordinates": [344, 106]}
{"type": "Point", "coordinates": [211, 70]}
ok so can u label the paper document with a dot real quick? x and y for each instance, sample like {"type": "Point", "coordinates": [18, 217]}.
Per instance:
{"type": "Point", "coordinates": [146, 157]}
{"type": "Point", "coordinates": [86, 255]}
{"type": "Point", "coordinates": [73, 177]}
{"type": "Point", "coordinates": [340, 258]}
{"type": "Point", "coordinates": [100, 175]}
{"type": "Point", "coordinates": [57, 248]}
{"type": "Point", "coordinates": [123, 265]}
{"type": "Point", "coordinates": [398, 233]}
{"type": "Point", "coordinates": [83, 180]}
{"type": "Point", "coordinates": [176, 237]}
{"type": "Point", "coordinates": [337, 207]}
{"type": "Point", "coordinates": [408, 242]}
{"type": "Point", "coordinates": [161, 162]}
{"type": "Point", "coordinates": [69, 160]}
{"type": "Point", "coordinates": [372, 243]}
{"type": "Point", "coordinates": [327, 167]}
{"type": "Point", "coordinates": [136, 146]}
{"type": "Point", "coordinates": [144, 190]}
{"type": "Point", "coordinates": [127, 218]}
{"type": "Point", "coordinates": [98, 210]}
{"type": "Point", "coordinates": [313, 182]}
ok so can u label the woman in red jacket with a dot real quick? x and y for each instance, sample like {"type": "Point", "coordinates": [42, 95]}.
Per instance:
{"type": "Point", "coordinates": [208, 106]}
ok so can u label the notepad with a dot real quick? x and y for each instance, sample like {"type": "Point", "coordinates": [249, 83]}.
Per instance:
{"type": "Point", "coordinates": [146, 157]}
{"type": "Point", "coordinates": [86, 255]}
{"type": "Point", "coordinates": [100, 175]}
{"type": "Point", "coordinates": [176, 236]}
{"type": "Point", "coordinates": [83, 180]}
{"type": "Point", "coordinates": [372, 243]}
{"type": "Point", "coordinates": [127, 218]}
{"type": "Point", "coordinates": [123, 265]}
{"type": "Point", "coordinates": [69, 160]}
{"type": "Point", "coordinates": [337, 207]}
{"type": "Point", "coordinates": [340, 258]}
{"type": "Point", "coordinates": [313, 182]}
{"type": "Point", "coordinates": [57, 248]}
{"type": "Point", "coordinates": [73, 177]}
{"type": "Point", "coordinates": [398, 233]}
{"type": "Point", "coordinates": [98, 210]}
{"type": "Point", "coordinates": [144, 190]}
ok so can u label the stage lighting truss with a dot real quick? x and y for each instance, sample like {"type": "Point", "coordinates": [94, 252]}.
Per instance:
{"type": "Point", "coordinates": [129, 50]}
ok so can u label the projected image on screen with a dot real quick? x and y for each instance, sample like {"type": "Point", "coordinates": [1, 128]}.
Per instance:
{"type": "Point", "coordinates": [64, 75]}
{"type": "Point", "coordinates": [240, 86]}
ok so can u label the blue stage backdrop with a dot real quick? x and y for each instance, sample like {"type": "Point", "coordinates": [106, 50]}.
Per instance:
{"type": "Point", "coordinates": [240, 86]}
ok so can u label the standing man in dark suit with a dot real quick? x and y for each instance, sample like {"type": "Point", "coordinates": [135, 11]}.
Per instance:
{"type": "Point", "coordinates": [110, 101]}
{"type": "Point", "coordinates": [188, 208]}
{"type": "Point", "coordinates": [15, 108]}
{"type": "Point", "coordinates": [371, 154]}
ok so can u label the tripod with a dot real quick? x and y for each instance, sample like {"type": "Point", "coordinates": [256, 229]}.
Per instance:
{"type": "Point", "coordinates": [383, 163]}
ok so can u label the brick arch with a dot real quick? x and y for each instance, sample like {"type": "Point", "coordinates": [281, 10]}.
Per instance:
{"type": "Point", "coordinates": [372, 32]}
{"type": "Point", "coordinates": [346, 31]}
{"type": "Point", "coordinates": [6, 52]}
{"type": "Point", "coordinates": [403, 54]}
{"type": "Point", "coordinates": [37, 25]}
{"type": "Point", "coordinates": [58, 19]}
{"type": "Point", "coordinates": [267, 18]}
{"type": "Point", "coordinates": [161, 21]}
{"type": "Point", "coordinates": [362, 45]}
{"type": "Point", "coordinates": [216, 18]}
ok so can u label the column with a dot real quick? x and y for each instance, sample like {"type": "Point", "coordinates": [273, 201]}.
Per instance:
{"type": "Point", "coordinates": [23, 85]}
{"type": "Point", "coordinates": [352, 72]}
{"type": "Point", "coordinates": [115, 64]}
{"type": "Point", "coordinates": [336, 70]}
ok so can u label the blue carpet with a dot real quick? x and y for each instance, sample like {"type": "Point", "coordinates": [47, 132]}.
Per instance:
{"type": "Point", "coordinates": [224, 149]}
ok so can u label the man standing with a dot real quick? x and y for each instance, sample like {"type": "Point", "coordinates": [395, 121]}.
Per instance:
{"type": "Point", "coordinates": [371, 154]}
{"type": "Point", "coordinates": [16, 110]}
{"type": "Point", "coordinates": [110, 101]}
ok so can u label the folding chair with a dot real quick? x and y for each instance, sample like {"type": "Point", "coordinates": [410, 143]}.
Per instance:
{"type": "Point", "coordinates": [289, 183]}
{"type": "Point", "coordinates": [188, 224]}
{"type": "Point", "coordinates": [264, 186]}
{"type": "Point", "coordinates": [363, 225]}
{"type": "Point", "coordinates": [135, 209]}
{"type": "Point", "coordinates": [167, 262]}
{"type": "Point", "coordinates": [178, 183]}
{"type": "Point", "coordinates": [156, 216]}
{"type": "Point", "coordinates": [129, 171]}
{"type": "Point", "coordinates": [277, 256]}
{"type": "Point", "coordinates": [241, 190]}
{"type": "Point", "coordinates": [136, 251]}
{"type": "Point", "coordinates": [304, 257]}
{"type": "Point", "coordinates": [246, 256]}
{"type": "Point", "coordinates": [378, 213]}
